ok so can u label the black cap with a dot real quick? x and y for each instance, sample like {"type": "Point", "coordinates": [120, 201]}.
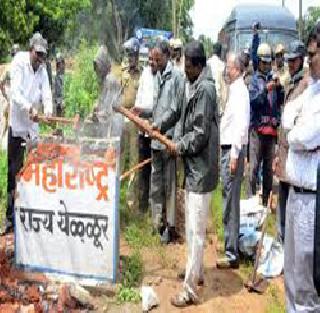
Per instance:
{"type": "Point", "coordinates": [296, 49]}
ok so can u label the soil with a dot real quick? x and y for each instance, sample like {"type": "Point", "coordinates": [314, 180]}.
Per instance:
{"type": "Point", "coordinates": [223, 290]}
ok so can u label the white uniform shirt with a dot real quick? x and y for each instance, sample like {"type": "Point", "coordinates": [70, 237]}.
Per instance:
{"type": "Point", "coordinates": [302, 118]}
{"type": "Point", "coordinates": [147, 90]}
{"type": "Point", "coordinates": [236, 118]}
{"type": "Point", "coordinates": [217, 68]}
{"type": "Point", "coordinates": [28, 89]}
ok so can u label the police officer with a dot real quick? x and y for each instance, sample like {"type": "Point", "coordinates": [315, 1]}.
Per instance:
{"type": "Point", "coordinates": [295, 58]}
{"type": "Point", "coordinates": [280, 68]}
{"type": "Point", "coordinates": [130, 83]}
{"type": "Point", "coordinates": [266, 97]}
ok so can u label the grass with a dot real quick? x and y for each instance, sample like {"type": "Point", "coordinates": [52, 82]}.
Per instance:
{"type": "Point", "coordinates": [275, 304]}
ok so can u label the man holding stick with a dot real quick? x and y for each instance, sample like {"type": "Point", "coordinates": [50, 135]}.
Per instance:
{"type": "Point", "coordinates": [197, 143]}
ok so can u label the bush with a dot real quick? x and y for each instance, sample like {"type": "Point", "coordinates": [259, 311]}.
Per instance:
{"type": "Point", "coordinates": [81, 86]}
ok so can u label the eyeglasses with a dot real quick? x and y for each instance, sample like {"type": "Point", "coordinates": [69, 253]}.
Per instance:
{"type": "Point", "coordinates": [41, 55]}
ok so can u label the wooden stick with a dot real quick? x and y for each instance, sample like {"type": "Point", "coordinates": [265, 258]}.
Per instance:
{"type": "Point", "coordinates": [135, 168]}
{"type": "Point", "coordinates": [61, 120]}
{"type": "Point", "coordinates": [145, 126]}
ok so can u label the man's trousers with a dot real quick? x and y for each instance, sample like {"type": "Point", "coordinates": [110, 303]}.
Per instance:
{"type": "Point", "coordinates": [231, 201]}
{"type": "Point", "coordinates": [301, 295]}
{"type": "Point", "coordinates": [163, 188]}
{"type": "Point", "coordinates": [196, 216]}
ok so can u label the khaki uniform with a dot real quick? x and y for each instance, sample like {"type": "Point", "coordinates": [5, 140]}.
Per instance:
{"type": "Point", "coordinates": [129, 142]}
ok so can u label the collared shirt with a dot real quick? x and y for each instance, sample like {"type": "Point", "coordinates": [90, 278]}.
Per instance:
{"type": "Point", "coordinates": [147, 91]}
{"type": "Point", "coordinates": [236, 117]}
{"type": "Point", "coordinates": [28, 89]}
{"type": "Point", "coordinates": [302, 118]}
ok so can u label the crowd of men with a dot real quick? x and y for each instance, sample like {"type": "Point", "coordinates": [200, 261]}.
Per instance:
{"type": "Point", "coordinates": [250, 110]}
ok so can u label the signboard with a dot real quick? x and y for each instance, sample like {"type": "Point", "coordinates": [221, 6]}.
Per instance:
{"type": "Point", "coordinates": [66, 216]}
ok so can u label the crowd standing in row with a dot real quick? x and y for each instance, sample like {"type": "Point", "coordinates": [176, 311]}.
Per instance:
{"type": "Point", "coordinates": [247, 111]}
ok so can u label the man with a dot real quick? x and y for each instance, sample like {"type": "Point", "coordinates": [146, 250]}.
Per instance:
{"type": "Point", "coordinates": [266, 97]}
{"type": "Point", "coordinates": [163, 174]}
{"type": "Point", "coordinates": [197, 144]}
{"type": "Point", "coordinates": [145, 100]}
{"type": "Point", "coordinates": [178, 61]}
{"type": "Point", "coordinates": [280, 69]}
{"type": "Point", "coordinates": [255, 45]}
{"type": "Point", "coordinates": [4, 98]}
{"type": "Point", "coordinates": [130, 82]}
{"type": "Point", "coordinates": [301, 118]}
{"type": "Point", "coordinates": [217, 70]}
{"type": "Point", "coordinates": [295, 58]}
{"type": "Point", "coordinates": [29, 86]}
{"type": "Point", "coordinates": [106, 122]}
{"type": "Point", "coordinates": [233, 139]}
{"type": "Point", "coordinates": [59, 84]}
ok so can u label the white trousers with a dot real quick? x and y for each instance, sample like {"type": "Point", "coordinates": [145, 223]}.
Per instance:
{"type": "Point", "coordinates": [301, 296]}
{"type": "Point", "coordinates": [196, 215]}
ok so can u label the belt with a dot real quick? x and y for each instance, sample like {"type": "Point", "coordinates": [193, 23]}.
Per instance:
{"type": "Point", "coordinates": [226, 147]}
{"type": "Point", "coordinates": [304, 190]}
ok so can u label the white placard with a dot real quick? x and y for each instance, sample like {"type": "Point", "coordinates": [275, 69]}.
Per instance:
{"type": "Point", "coordinates": [66, 218]}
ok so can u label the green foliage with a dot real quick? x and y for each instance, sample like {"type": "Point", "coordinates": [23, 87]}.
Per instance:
{"type": "Point", "coordinates": [217, 213]}
{"type": "Point", "coordinates": [132, 270]}
{"type": "Point", "coordinates": [20, 18]}
{"type": "Point", "coordinates": [275, 304]}
{"type": "Point", "coordinates": [3, 184]}
{"type": "Point", "coordinates": [139, 234]}
{"type": "Point", "coordinates": [311, 18]}
{"type": "Point", "coordinates": [208, 44]}
{"type": "Point", "coordinates": [127, 294]}
{"type": "Point", "coordinates": [81, 87]}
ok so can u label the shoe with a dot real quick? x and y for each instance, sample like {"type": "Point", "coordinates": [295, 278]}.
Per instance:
{"type": "Point", "coordinates": [227, 263]}
{"type": "Point", "coordinates": [183, 300]}
{"type": "Point", "coordinates": [181, 275]}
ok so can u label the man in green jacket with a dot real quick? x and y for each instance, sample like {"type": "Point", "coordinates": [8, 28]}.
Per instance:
{"type": "Point", "coordinates": [197, 143]}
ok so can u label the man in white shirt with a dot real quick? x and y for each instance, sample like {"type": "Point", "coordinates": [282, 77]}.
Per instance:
{"type": "Point", "coordinates": [217, 69]}
{"type": "Point", "coordinates": [145, 99]}
{"type": "Point", "coordinates": [29, 88]}
{"type": "Point", "coordinates": [234, 136]}
{"type": "Point", "coordinates": [301, 118]}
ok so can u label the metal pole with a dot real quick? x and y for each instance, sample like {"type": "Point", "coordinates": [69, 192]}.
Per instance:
{"type": "Point", "coordinates": [283, 3]}
{"type": "Point", "coordinates": [300, 21]}
{"type": "Point", "coordinates": [174, 23]}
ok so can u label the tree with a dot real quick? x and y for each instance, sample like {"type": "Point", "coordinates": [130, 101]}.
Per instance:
{"type": "Point", "coordinates": [20, 18]}
{"type": "Point", "coordinates": [311, 18]}
{"type": "Point", "coordinates": [207, 44]}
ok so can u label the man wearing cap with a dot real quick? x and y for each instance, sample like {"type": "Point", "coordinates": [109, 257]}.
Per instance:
{"type": "Point", "coordinates": [280, 69]}
{"type": "Point", "coordinates": [266, 97]}
{"type": "Point", "coordinates": [29, 87]}
{"type": "Point", "coordinates": [295, 58]}
{"type": "Point", "coordinates": [177, 59]}
{"type": "Point", "coordinates": [301, 120]}
{"type": "Point", "coordinates": [59, 84]}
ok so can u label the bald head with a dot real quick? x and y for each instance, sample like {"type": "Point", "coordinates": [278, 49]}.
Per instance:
{"type": "Point", "coordinates": [234, 67]}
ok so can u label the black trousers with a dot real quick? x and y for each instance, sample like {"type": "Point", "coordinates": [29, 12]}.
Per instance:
{"type": "Point", "coordinates": [145, 173]}
{"type": "Point", "coordinates": [261, 149]}
{"type": "Point", "coordinates": [283, 199]}
{"type": "Point", "coordinates": [16, 149]}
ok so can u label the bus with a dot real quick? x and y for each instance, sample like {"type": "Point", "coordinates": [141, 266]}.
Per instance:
{"type": "Point", "coordinates": [277, 25]}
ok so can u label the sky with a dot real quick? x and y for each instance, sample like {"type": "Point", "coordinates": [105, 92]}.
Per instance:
{"type": "Point", "coordinates": [209, 15]}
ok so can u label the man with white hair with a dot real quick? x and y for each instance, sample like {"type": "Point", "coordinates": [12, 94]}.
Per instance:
{"type": "Point", "coordinates": [301, 118]}
{"type": "Point", "coordinates": [29, 87]}
{"type": "Point", "coordinates": [233, 139]}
